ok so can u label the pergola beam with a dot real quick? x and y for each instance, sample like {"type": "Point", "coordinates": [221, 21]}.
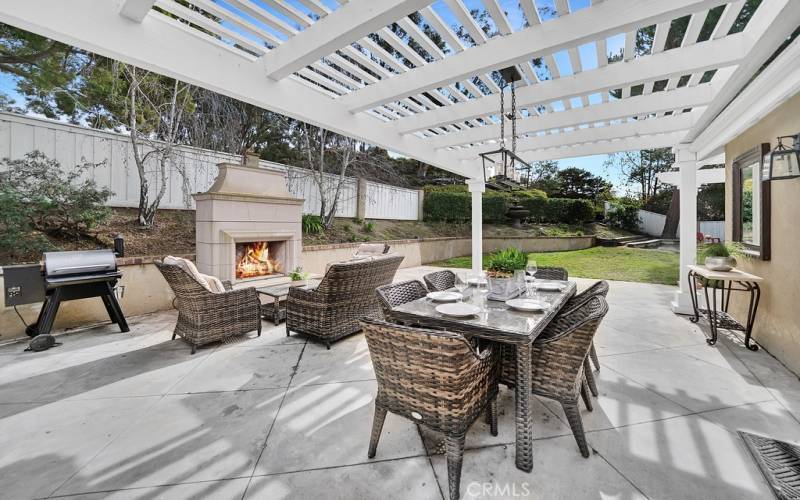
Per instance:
{"type": "Point", "coordinates": [135, 10]}
{"type": "Point", "coordinates": [584, 26]}
{"type": "Point", "coordinates": [607, 147]}
{"type": "Point", "coordinates": [770, 26]}
{"type": "Point", "coordinates": [673, 63]}
{"type": "Point", "coordinates": [338, 29]}
{"type": "Point", "coordinates": [634, 128]}
{"type": "Point", "coordinates": [685, 97]}
{"type": "Point", "coordinates": [208, 63]}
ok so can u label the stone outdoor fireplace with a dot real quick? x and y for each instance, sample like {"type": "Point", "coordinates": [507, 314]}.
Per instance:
{"type": "Point", "coordinates": [248, 224]}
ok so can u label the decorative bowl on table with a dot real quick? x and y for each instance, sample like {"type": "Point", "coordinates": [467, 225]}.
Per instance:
{"type": "Point", "coordinates": [720, 263]}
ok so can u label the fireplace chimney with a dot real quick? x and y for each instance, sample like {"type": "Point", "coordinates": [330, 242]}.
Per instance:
{"type": "Point", "coordinates": [251, 159]}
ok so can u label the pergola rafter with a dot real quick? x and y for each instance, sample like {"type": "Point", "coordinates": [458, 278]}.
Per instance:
{"type": "Point", "coordinates": [587, 25]}
{"type": "Point", "coordinates": [368, 70]}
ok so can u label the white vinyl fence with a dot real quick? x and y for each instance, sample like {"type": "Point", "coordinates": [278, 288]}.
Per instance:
{"type": "Point", "coordinates": [193, 170]}
{"type": "Point", "coordinates": [652, 224]}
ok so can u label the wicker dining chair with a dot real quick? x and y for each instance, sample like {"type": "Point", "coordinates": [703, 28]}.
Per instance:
{"type": "Point", "coordinates": [346, 293]}
{"type": "Point", "coordinates": [433, 378]}
{"type": "Point", "coordinates": [558, 361]}
{"type": "Point", "coordinates": [552, 273]}
{"type": "Point", "coordinates": [440, 280]}
{"type": "Point", "coordinates": [598, 288]}
{"type": "Point", "coordinates": [205, 317]}
{"type": "Point", "coordinates": [395, 294]}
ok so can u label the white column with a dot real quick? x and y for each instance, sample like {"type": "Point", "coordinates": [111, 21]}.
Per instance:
{"type": "Point", "coordinates": [686, 162]}
{"type": "Point", "coordinates": [477, 187]}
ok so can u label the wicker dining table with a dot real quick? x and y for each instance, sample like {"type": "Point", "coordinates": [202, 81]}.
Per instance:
{"type": "Point", "coordinates": [499, 323]}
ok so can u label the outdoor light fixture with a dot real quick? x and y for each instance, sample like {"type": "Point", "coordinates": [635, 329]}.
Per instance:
{"type": "Point", "coordinates": [507, 158]}
{"type": "Point", "coordinates": [784, 161]}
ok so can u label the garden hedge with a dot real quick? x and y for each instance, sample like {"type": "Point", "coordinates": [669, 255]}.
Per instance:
{"type": "Point", "coordinates": [453, 204]}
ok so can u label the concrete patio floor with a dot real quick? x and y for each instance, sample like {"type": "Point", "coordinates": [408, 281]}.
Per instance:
{"type": "Point", "coordinates": [112, 415]}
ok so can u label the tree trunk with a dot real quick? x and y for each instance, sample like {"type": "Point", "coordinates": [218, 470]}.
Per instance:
{"type": "Point", "coordinates": [673, 216]}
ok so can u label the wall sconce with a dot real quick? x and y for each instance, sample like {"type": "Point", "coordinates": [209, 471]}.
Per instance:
{"type": "Point", "coordinates": [784, 161]}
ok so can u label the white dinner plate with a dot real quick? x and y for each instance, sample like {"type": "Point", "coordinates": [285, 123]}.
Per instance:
{"type": "Point", "coordinates": [529, 305]}
{"type": "Point", "coordinates": [550, 286]}
{"type": "Point", "coordinates": [458, 309]}
{"type": "Point", "coordinates": [445, 296]}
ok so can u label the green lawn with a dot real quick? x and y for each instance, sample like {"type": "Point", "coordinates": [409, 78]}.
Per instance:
{"type": "Point", "coordinates": [612, 263]}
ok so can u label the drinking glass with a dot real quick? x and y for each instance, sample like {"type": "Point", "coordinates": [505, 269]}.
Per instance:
{"type": "Point", "coordinates": [483, 288]}
{"type": "Point", "coordinates": [461, 284]}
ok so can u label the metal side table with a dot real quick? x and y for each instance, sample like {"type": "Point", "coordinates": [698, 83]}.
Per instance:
{"type": "Point", "coordinates": [725, 282]}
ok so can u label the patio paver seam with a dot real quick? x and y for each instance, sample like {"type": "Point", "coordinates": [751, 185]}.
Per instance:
{"type": "Point", "coordinates": [626, 478]}
{"type": "Point", "coordinates": [275, 418]}
{"type": "Point", "coordinates": [165, 485]}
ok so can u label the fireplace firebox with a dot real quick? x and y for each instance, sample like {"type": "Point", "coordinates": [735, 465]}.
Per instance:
{"type": "Point", "coordinates": [255, 259]}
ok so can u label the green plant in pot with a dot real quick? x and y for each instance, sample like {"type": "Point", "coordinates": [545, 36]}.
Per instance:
{"type": "Point", "coordinates": [721, 256]}
{"type": "Point", "coordinates": [298, 276]}
{"type": "Point", "coordinates": [500, 267]}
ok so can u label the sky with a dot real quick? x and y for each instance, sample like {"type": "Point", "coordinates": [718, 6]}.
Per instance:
{"type": "Point", "coordinates": [588, 56]}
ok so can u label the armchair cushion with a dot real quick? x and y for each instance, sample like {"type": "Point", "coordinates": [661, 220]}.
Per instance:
{"type": "Point", "coordinates": [210, 283]}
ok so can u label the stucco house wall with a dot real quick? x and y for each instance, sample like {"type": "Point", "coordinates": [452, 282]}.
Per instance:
{"type": "Point", "coordinates": [777, 326]}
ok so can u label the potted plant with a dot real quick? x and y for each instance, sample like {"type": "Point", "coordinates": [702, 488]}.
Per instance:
{"type": "Point", "coordinates": [298, 276]}
{"type": "Point", "coordinates": [500, 267]}
{"type": "Point", "coordinates": [721, 256]}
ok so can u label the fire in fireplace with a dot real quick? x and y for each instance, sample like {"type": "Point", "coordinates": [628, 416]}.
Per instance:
{"type": "Point", "coordinates": [253, 260]}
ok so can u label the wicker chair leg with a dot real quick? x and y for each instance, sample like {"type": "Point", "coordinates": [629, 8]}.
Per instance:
{"type": "Point", "coordinates": [587, 400]}
{"type": "Point", "coordinates": [491, 415]}
{"type": "Point", "coordinates": [287, 330]}
{"type": "Point", "coordinates": [194, 348]}
{"type": "Point", "coordinates": [454, 445]}
{"type": "Point", "coordinates": [595, 359]}
{"type": "Point", "coordinates": [589, 376]}
{"type": "Point", "coordinates": [377, 427]}
{"type": "Point", "coordinates": [259, 326]}
{"type": "Point", "coordinates": [576, 424]}
{"type": "Point", "coordinates": [174, 335]}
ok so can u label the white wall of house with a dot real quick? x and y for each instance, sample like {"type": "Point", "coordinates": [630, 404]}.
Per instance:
{"type": "Point", "coordinates": [192, 171]}
{"type": "Point", "coordinates": [652, 224]}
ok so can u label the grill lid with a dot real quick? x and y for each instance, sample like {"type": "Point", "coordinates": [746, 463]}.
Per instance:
{"type": "Point", "coordinates": [79, 262]}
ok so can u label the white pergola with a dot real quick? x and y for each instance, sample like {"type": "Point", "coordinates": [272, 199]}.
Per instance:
{"type": "Point", "coordinates": [320, 63]}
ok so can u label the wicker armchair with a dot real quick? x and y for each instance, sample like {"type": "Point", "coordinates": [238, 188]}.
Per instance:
{"type": "Point", "coordinates": [345, 294]}
{"type": "Point", "coordinates": [552, 273]}
{"type": "Point", "coordinates": [440, 280]}
{"type": "Point", "coordinates": [393, 295]}
{"type": "Point", "coordinates": [558, 360]}
{"type": "Point", "coordinates": [600, 288]}
{"type": "Point", "coordinates": [433, 378]}
{"type": "Point", "coordinates": [205, 317]}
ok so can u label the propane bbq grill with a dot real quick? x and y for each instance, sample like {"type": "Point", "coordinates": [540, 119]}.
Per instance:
{"type": "Point", "coordinates": [66, 276]}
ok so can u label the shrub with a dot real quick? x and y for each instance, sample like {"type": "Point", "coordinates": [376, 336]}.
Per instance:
{"type": "Point", "coordinates": [37, 195]}
{"type": "Point", "coordinates": [506, 261]}
{"type": "Point", "coordinates": [568, 211]}
{"type": "Point", "coordinates": [368, 227]}
{"type": "Point", "coordinates": [446, 206]}
{"type": "Point", "coordinates": [623, 214]}
{"type": "Point", "coordinates": [495, 206]}
{"type": "Point", "coordinates": [535, 201]}
{"type": "Point", "coordinates": [312, 224]}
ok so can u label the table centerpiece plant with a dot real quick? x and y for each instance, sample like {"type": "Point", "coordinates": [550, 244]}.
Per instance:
{"type": "Point", "coordinates": [298, 276]}
{"type": "Point", "coordinates": [500, 268]}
